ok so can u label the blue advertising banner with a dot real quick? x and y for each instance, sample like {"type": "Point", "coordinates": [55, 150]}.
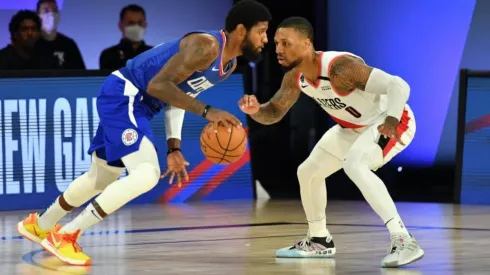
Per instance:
{"type": "Point", "coordinates": [475, 166]}
{"type": "Point", "coordinates": [46, 126]}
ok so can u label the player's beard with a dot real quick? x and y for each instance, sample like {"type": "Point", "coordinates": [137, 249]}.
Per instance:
{"type": "Point", "coordinates": [292, 65]}
{"type": "Point", "coordinates": [249, 52]}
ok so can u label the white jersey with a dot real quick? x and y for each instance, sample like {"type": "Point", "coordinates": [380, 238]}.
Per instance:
{"type": "Point", "coordinates": [354, 109]}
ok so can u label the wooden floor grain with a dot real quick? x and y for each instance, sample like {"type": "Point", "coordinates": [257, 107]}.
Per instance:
{"type": "Point", "coordinates": [241, 238]}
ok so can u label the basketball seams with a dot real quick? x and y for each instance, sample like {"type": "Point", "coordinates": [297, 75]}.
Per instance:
{"type": "Point", "coordinates": [227, 145]}
{"type": "Point", "coordinates": [219, 141]}
{"type": "Point", "coordinates": [222, 155]}
{"type": "Point", "coordinates": [225, 160]}
{"type": "Point", "coordinates": [214, 150]}
{"type": "Point", "coordinates": [221, 151]}
{"type": "Point", "coordinates": [239, 144]}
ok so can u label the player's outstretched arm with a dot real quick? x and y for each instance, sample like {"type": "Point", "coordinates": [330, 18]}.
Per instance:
{"type": "Point", "coordinates": [274, 110]}
{"type": "Point", "coordinates": [197, 53]}
{"type": "Point", "coordinates": [348, 72]}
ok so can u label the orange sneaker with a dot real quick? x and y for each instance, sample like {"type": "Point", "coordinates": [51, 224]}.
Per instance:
{"type": "Point", "coordinates": [30, 229]}
{"type": "Point", "coordinates": [64, 246]}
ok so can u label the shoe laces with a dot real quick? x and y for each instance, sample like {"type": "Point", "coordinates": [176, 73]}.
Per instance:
{"type": "Point", "coordinates": [397, 243]}
{"type": "Point", "coordinates": [72, 239]}
{"type": "Point", "coordinates": [304, 243]}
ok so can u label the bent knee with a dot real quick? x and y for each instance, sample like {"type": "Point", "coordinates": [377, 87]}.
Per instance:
{"type": "Point", "coordinates": [147, 174]}
{"type": "Point", "coordinates": [370, 157]}
{"type": "Point", "coordinates": [352, 162]}
{"type": "Point", "coordinates": [306, 170]}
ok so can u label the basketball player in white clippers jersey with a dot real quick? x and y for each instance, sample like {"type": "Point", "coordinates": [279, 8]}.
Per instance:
{"type": "Point", "coordinates": [374, 124]}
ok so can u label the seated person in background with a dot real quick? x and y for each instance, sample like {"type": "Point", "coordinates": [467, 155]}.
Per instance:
{"type": "Point", "coordinates": [63, 48]}
{"type": "Point", "coordinates": [132, 23]}
{"type": "Point", "coordinates": [20, 54]}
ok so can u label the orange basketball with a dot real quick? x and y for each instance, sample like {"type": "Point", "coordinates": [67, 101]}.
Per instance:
{"type": "Point", "coordinates": [223, 147]}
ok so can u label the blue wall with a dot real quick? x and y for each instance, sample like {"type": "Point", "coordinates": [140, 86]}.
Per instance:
{"type": "Point", "coordinates": [424, 43]}
{"type": "Point", "coordinates": [476, 56]}
{"type": "Point", "coordinates": [475, 177]}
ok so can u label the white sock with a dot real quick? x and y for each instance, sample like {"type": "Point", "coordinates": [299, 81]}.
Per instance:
{"type": "Point", "coordinates": [319, 228]}
{"type": "Point", "coordinates": [84, 220]}
{"type": "Point", "coordinates": [53, 214]}
{"type": "Point", "coordinates": [395, 225]}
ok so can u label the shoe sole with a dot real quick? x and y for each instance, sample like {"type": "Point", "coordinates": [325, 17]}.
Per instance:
{"type": "Point", "coordinates": [53, 251]}
{"type": "Point", "coordinates": [26, 234]}
{"type": "Point", "coordinates": [417, 257]}
{"type": "Point", "coordinates": [295, 254]}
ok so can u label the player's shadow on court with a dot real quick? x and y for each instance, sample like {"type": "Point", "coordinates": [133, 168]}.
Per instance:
{"type": "Point", "coordinates": [329, 267]}
{"type": "Point", "coordinates": [46, 264]}
{"type": "Point", "coordinates": [308, 266]}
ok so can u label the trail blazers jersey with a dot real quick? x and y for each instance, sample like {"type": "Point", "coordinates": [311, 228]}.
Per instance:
{"type": "Point", "coordinates": [354, 109]}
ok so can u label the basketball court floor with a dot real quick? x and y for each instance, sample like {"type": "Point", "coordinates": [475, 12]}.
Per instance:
{"type": "Point", "coordinates": [240, 237]}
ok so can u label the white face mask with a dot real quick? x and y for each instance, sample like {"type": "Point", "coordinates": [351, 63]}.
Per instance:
{"type": "Point", "coordinates": [50, 21]}
{"type": "Point", "coordinates": [134, 33]}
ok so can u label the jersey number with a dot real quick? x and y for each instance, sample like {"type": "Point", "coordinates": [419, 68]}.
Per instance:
{"type": "Point", "coordinates": [353, 112]}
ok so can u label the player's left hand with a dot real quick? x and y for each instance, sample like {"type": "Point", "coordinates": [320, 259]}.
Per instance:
{"type": "Point", "coordinates": [176, 167]}
{"type": "Point", "coordinates": [389, 129]}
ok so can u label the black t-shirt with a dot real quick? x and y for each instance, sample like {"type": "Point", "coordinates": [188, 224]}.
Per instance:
{"type": "Point", "coordinates": [10, 59]}
{"type": "Point", "coordinates": [115, 57]}
{"type": "Point", "coordinates": [65, 50]}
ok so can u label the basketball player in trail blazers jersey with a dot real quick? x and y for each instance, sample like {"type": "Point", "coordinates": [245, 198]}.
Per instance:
{"type": "Point", "coordinates": [374, 123]}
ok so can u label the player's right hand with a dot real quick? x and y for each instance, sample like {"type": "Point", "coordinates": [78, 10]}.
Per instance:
{"type": "Point", "coordinates": [249, 104]}
{"type": "Point", "coordinates": [217, 116]}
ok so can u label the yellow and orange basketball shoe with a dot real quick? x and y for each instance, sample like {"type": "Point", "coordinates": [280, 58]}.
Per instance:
{"type": "Point", "coordinates": [64, 246]}
{"type": "Point", "coordinates": [30, 229]}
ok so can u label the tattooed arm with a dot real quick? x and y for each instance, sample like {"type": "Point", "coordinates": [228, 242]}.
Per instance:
{"type": "Point", "coordinates": [197, 52]}
{"type": "Point", "coordinates": [349, 72]}
{"type": "Point", "coordinates": [274, 110]}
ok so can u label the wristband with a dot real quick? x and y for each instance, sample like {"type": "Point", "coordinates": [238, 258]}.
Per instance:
{"type": "Point", "coordinates": [173, 150]}
{"type": "Point", "coordinates": [206, 110]}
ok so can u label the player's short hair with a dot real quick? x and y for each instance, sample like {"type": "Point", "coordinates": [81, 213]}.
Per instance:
{"type": "Point", "coordinates": [19, 17]}
{"type": "Point", "coordinates": [133, 8]}
{"type": "Point", "coordinates": [248, 13]}
{"type": "Point", "coordinates": [40, 2]}
{"type": "Point", "coordinates": [300, 24]}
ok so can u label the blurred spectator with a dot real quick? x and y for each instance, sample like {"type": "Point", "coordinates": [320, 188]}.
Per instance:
{"type": "Point", "coordinates": [59, 45]}
{"type": "Point", "coordinates": [20, 54]}
{"type": "Point", "coordinates": [132, 23]}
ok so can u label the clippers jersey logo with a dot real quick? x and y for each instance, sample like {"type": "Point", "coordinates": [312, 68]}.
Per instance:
{"type": "Point", "coordinates": [129, 137]}
{"type": "Point", "coordinates": [199, 84]}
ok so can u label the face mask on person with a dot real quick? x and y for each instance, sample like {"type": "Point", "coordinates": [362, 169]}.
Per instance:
{"type": "Point", "coordinates": [50, 21]}
{"type": "Point", "coordinates": [134, 33]}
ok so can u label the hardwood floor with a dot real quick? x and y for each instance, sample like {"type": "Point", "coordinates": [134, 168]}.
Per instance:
{"type": "Point", "coordinates": [241, 237]}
